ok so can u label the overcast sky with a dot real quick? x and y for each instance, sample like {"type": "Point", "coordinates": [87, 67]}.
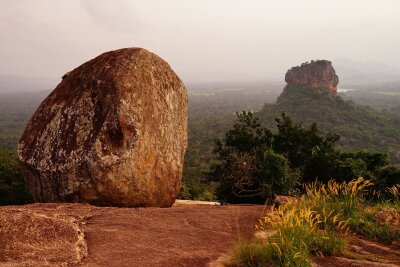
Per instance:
{"type": "Point", "coordinates": [203, 40]}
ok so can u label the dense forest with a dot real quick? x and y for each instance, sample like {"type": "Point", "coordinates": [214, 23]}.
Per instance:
{"type": "Point", "coordinates": [256, 163]}
{"type": "Point", "coordinates": [211, 114]}
{"type": "Point", "coordinates": [360, 127]}
{"type": "Point", "coordinates": [212, 111]}
{"type": "Point", "coordinates": [15, 111]}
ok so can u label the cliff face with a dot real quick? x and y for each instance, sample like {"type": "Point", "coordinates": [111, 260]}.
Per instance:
{"type": "Point", "coordinates": [317, 74]}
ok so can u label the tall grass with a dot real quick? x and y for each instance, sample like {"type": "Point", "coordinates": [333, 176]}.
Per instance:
{"type": "Point", "coordinates": [317, 224]}
{"type": "Point", "coordinates": [394, 192]}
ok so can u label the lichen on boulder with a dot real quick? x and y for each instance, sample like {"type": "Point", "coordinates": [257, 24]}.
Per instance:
{"type": "Point", "coordinates": [113, 132]}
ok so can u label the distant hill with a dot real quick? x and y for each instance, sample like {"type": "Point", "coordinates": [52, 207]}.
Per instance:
{"type": "Point", "coordinates": [10, 84]}
{"type": "Point", "coordinates": [365, 73]}
{"type": "Point", "coordinates": [360, 127]}
{"type": "Point", "coordinates": [15, 111]}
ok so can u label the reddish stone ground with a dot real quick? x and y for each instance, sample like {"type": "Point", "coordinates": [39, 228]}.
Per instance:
{"type": "Point", "coordinates": [184, 235]}
{"type": "Point", "coordinates": [364, 254]}
{"type": "Point", "coordinates": [85, 235]}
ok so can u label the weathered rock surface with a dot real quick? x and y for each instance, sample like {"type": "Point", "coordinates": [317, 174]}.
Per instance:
{"type": "Point", "coordinates": [113, 132]}
{"type": "Point", "coordinates": [76, 234]}
{"type": "Point", "coordinates": [317, 74]}
{"type": "Point", "coordinates": [389, 217]}
{"type": "Point", "coordinates": [364, 254]}
{"type": "Point", "coordinates": [30, 237]}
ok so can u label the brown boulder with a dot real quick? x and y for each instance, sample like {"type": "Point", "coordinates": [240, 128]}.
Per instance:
{"type": "Point", "coordinates": [29, 237]}
{"type": "Point", "coordinates": [113, 132]}
{"type": "Point", "coordinates": [388, 217]}
{"type": "Point", "coordinates": [317, 74]}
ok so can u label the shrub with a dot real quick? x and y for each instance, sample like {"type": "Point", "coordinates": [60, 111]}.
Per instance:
{"type": "Point", "coordinates": [316, 224]}
{"type": "Point", "coordinates": [387, 177]}
{"type": "Point", "coordinates": [278, 178]}
{"type": "Point", "coordinates": [249, 171]}
{"type": "Point", "coordinates": [255, 163]}
{"type": "Point", "coordinates": [297, 142]}
{"type": "Point", "coordinates": [206, 196]}
{"type": "Point", "coordinates": [12, 185]}
{"type": "Point", "coordinates": [184, 193]}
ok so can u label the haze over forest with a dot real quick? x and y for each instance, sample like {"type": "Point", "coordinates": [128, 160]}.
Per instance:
{"type": "Point", "coordinates": [204, 41]}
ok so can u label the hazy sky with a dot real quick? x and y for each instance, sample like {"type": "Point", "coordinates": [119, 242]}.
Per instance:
{"type": "Point", "coordinates": [203, 40]}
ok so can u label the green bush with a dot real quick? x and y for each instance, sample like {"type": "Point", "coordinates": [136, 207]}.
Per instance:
{"type": "Point", "coordinates": [184, 193]}
{"type": "Point", "coordinates": [316, 224]}
{"type": "Point", "coordinates": [278, 179]}
{"type": "Point", "coordinates": [249, 171]}
{"type": "Point", "coordinates": [12, 185]}
{"type": "Point", "coordinates": [255, 164]}
{"type": "Point", "coordinates": [206, 196]}
{"type": "Point", "coordinates": [387, 176]}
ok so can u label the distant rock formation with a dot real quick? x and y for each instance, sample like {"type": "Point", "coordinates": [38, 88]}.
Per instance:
{"type": "Point", "coordinates": [113, 132]}
{"type": "Point", "coordinates": [317, 74]}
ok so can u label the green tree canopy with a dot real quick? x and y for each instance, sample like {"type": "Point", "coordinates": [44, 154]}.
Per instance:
{"type": "Point", "coordinates": [12, 186]}
{"type": "Point", "coordinates": [255, 164]}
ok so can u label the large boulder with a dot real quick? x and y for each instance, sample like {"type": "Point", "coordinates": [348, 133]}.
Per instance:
{"type": "Point", "coordinates": [113, 132]}
{"type": "Point", "coordinates": [317, 74]}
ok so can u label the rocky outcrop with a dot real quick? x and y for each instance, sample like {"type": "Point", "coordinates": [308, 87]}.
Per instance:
{"type": "Point", "coordinates": [30, 237]}
{"type": "Point", "coordinates": [317, 74]}
{"type": "Point", "coordinates": [113, 132]}
{"type": "Point", "coordinates": [389, 217]}
{"type": "Point", "coordinates": [76, 234]}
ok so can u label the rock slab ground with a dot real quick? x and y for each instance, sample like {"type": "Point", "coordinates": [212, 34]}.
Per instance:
{"type": "Point", "coordinates": [188, 234]}
{"type": "Point", "coordinates": [85, 235]}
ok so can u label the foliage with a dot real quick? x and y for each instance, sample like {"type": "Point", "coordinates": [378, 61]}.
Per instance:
{"type": "Point", "coordinates": [184, 192]}
{"type": "Point", "coordinates": [360, 127]}
{"type": "Point", "coordinates": [316, 224]}
{"type": "Point", "coordinates": [279, 179]}
{"type": "Point", "coordinates": [259, 254]}
{"type": "Point", "coordinates": [387, 176]}
{"type": "Point", "coordinates": [15, 110]}
{"type": "Point", "coordinates": [350, 201]}
{"type": "Point", "coordinates": [206, 196]}
{"type": "Point", "coordinates": [249, 170]}
{"type": "Point", "coordinates": [246, 136]}
{"type": "Point", "coordinates": [255, 163]}
{"type": "Point", "coordinates": [210, 116]}
{"type": "Point", "coordinates": [386, 99]}
{"type": "Point", "coordinates": [12, 186]}
{"type": "Point", "coordinates": [296, 142]}
{"type": "Point", "coordinates": [311, 153]}
{"type": "Point", "coordinates": [327, 163]}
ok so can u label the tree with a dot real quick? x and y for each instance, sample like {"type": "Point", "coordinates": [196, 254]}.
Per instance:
{"type": "Point", "coordinates": [249, 171]}
{"type": "Point", "coordinates": [12, 185]}
{"type": "Point", "coordinates": [278, 179]}
{"type": "Point", "coordinates": [373, 159]}
{"type": "Point", "coordinates": [246, 136]}
{"type": "Point", "coordinates": [387, 177]}
{"type": "Point", "coordinates": [319, 163]}
{"type": "Point", "coordinates": [237, 179]}
{"type": "Point", "coordinates": [328, 162]}
{"type": "Point", "coordinates": [297, 143]}
{"type": "Point", "coordinates": [255, 164]}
